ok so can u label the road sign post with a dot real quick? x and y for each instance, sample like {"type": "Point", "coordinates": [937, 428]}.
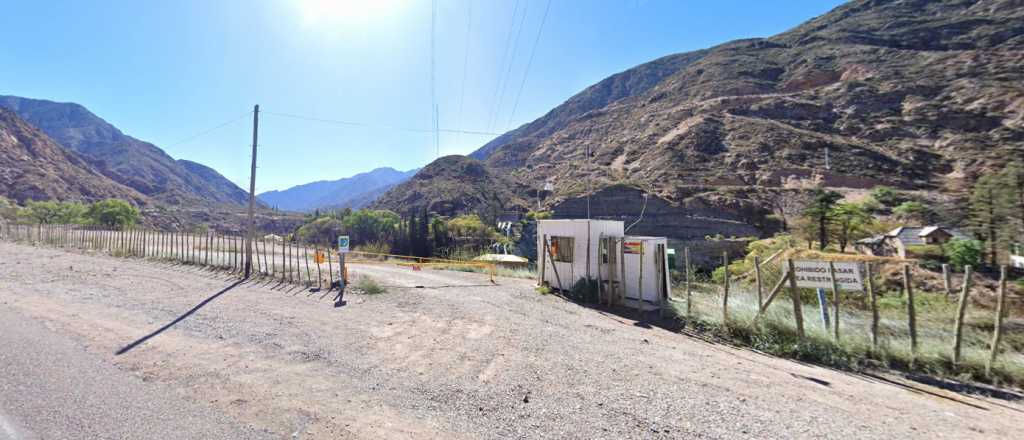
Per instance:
{"type": "Point", "coordinates": [343, 248]}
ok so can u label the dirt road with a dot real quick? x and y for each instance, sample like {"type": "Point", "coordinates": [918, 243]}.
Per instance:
{"type": "Point", "coordinates": [457, 358]}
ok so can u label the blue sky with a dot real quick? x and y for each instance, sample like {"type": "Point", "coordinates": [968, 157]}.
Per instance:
{"type": "Point", "coordinates": [165, 71]}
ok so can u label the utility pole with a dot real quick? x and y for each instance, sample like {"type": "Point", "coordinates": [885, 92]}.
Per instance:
{"type": "Point", "coordinates": [251, 233]}
{"type": "Point", "coordinates": [590, 183]}
{"type": "Point", "coordinates": [828, 164]}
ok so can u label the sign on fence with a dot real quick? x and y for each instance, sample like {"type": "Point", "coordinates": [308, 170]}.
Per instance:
{"type": "Point", "coordinates": [319, 258]}
{"type": "Point", "coordinates": [814, 275]}
{"type": "Point", "coordinates": [632, 247]}
{"type": "Point", "coordinates": [343, 244]}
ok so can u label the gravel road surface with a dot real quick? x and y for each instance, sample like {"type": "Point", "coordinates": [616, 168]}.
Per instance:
{"type": "Point", "coordinates": [51, 387]}
{"type": "Point", "coordinates": [455, 357]}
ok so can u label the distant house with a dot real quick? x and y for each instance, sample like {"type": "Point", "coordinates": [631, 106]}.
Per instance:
{"type": "Point", "coordinates": [896, 241]}
{"type": "Point", "coordinates": [1017, 255]}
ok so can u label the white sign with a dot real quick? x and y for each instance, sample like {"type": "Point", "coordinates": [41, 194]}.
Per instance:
{"type": "Point", "coordinates": [814, 275]}
{"type": "Point", "coordinates": [343, 244]}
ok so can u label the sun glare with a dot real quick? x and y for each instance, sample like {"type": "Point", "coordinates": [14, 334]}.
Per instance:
{"type": "Point", "coordinates": [335, 12]}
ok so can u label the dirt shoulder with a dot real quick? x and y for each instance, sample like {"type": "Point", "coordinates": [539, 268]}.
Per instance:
{"type": "Point", "coordinates": [455, 358]}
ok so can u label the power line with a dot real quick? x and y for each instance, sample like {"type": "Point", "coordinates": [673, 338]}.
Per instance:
{"type": "Point", "coordinates": [511, 62]}
{"type": "Point", "coordinates": [465, 60]}
{"type": "Point", "coordinates": [210, 130]}
{"type": "Point", "coordinates": [501, 66]}
{"type": "Point", "coordinates": [529, 63]}
{"type": "Point", "coordinates": [377, 126]}
{"type": "Point", "coordinates": [433, 91]}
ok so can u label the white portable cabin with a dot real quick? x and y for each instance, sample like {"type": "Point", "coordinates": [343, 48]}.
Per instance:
{"type": "Point", "coordinates": [630, 270]}
{"type": "Point", "coordinates": [642, 279]}
{"type": "Point", "coordinates": [568, 249]}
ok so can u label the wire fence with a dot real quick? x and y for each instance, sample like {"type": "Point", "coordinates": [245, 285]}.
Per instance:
{"type": "Point", "coordinates": [903, 313]}
{"type": "Point", "coordinates": [287, 261]}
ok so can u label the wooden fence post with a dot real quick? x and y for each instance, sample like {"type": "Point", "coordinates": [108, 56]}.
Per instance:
{"type": "Point", "coordinates": [874, 305]}
{"type": "Point", "coordinates": [947, 283]}
{"type": "Point", "coordinates": [689, 274]}
{"type": "Point", "coordinates": [725, 285]}
{"type": "Point", "coordinates": [798, 310]}
{"type": "Point", "coordinates": [330, 269]}
{"type": "Point", "coordinates": [835, 299]}
{"type": "Point", "coordinates": [911, 316]}
{"type": "Point", "coordinates": [961, 309]}
{"type": "Point", "coordinates": [757, 280]}
{"type": "Point", "coordinates": [997, 331]}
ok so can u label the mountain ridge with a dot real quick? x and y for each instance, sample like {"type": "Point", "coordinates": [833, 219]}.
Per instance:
{"type": "Point", "coordinates": [34, 167]}
{"type": "Point", "coordinates": [920, 95]}
{"type": "Point", "coordinates": [134, 163]}
{"type": "Point", "coordinates": [355, 191]}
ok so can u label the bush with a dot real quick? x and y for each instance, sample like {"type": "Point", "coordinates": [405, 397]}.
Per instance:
{"type": "Point", "coordinates": [962, 253]}
{"type": "Point", "coordinates": [585, 290]}
{"type": "Point", "coordinates": [322, 231]}
{"type": "Point", "coordinates": [368, 286]}
{"type": "Point", "coordinates": [926, 251]}
{"type": "Point", "coordinates": [54, 212]}
{"type": "Point", "coordinates": [886, 196]}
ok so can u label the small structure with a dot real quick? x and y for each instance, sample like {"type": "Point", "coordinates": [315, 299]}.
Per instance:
{"type": "Point", "coordinates": [896, 241]}
{"type": "Point", "coordinates": [628, 270]}
{"type": "Point", "coordinates": [505, 260]}
{"type": "Point", "coordinates": [1017, 255]}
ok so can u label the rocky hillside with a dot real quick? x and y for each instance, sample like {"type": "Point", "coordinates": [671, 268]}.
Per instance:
{"type": "Point", "coordinates": [917, 94]}
{"type": "Point", "coordinates": [34, 167]}
{"type": "Point", "coordinates": [453, 185]}
{"type": "Point", "coordinates": [136, 164]}
{"type": "Point", "coordinates": [350, 192]}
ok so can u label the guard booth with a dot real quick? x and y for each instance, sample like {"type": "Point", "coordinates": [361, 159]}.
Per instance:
{"type": "Point", "coordinates": [567, 250]}
{"type": "Point", "coordinates": [632, 271]}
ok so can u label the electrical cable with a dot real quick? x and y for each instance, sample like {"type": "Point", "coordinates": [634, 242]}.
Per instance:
{"type": "Point", "coordinates": [529, 62]}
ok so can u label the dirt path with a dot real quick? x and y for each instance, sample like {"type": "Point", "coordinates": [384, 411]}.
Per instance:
{"type": "Point", "coordinates": [457, 358]}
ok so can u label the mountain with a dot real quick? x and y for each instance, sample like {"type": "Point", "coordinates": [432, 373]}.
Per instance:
{"type": "Point", "coordinates": [916, 94]}
{"type": "Point", "coordinates": [452, 185]}
{"type": "Point", "coordinates": [351, 192]}
{"type": "Point", "coordinates": [124, 159]}
{"type": "Point", "coordinates": [34, 167]}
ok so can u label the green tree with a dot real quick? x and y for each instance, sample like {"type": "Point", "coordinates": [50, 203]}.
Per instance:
{"type": "Point", "coordinates": [914, 212]}
{"type": "Point", "coordinates": [851, 222]}
{"type": "Point", "coordinates": [368, 226]}
{"type": "Point", "coordinates": [322, 231]}
{"type": "Point", "coordinates": [1013, 176]}
{"type": "Point", "coordinates": [819, 213]}
{"type": "Point", "coordinates": [962, 253]}
{"type": "Point", "coordinates": [885, 195]}
{"type": "Point", "coordinates": [52, 212]}
{"type": "Point", "coordinates": [114, 213]}
{"type": "Point", "coordinates": [988, 213]}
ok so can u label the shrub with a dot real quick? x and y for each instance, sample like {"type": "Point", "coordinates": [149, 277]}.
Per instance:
{"type": "Point", "coordinates": [926, 251]}
{"type": "Point", "coordinates": [369, 286]}
{"type": "Point", "coordinates": [585, 290]}
{"type": "Point", "coordinates": [885, 195]}
{"type": "Point", "coordinates": [914, 212]}
{"type": "Point", "coordinates": [962, 253]}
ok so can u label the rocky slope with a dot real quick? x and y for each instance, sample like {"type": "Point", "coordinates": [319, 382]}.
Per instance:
{"type": "Point", "coordinates": [34, 167]}
{"type": "Point", "coordinates": [917, 94]}
{"type": "Point", "coordinates": [124, 159]}
{"type": "Point", "coordinates": [351, 192]}
{"type": "Point", "coordinates": [453, 185]}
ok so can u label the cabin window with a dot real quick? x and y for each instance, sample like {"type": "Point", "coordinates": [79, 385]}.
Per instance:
{"type": "Point", "coordinates": [561, 249]}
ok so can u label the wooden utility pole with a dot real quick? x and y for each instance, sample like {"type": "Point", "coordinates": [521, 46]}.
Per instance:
{"type": "Point", "coordinates": [252, 193]}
